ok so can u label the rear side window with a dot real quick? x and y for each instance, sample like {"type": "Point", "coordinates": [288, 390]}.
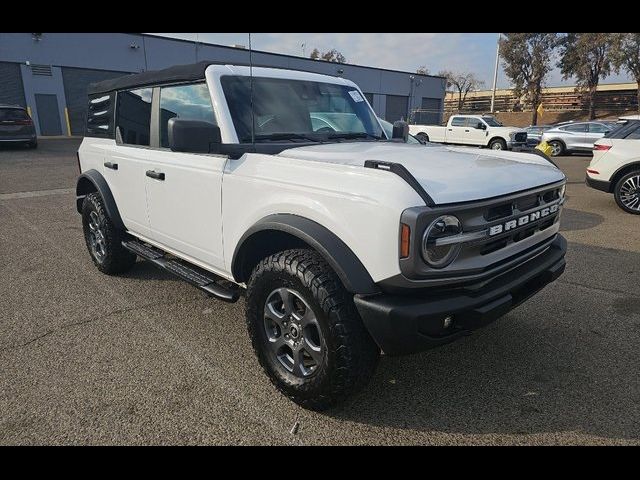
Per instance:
{"type": "Point", "coordinates": [458, 121]}
{"type": "Point", "coordinates": [190, 102]}
{"type": "Point", "coordinates": [100, 115]}
{"type": "Point", "coordinates": [133, 116]}
{"type": "Point", "coordinates": [580, 127]}
{"type": "Point", "coordinates": [12, 114]}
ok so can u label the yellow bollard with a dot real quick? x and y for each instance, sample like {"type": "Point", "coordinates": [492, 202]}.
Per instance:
{"type": "Point", "coordinates": [545, 148]}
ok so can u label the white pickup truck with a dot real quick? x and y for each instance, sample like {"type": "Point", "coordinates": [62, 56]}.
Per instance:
{"type": "Point", "coordinates": [479, 130]}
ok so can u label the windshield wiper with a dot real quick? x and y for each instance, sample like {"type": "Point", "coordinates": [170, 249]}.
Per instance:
{"type": "Point", "coordinates": [287, 136]}
{"type": "Point", "coordinates": [349, 135]}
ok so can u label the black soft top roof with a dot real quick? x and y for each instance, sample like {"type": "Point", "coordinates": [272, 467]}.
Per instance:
{"type": "Point", "coordinates": [177, 73]}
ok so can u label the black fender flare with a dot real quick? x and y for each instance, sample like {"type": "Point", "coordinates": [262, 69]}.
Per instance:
{"type": "Point", "coordinates": [100, 184]}
{"type": "Point", "coordinates": [352, 273]}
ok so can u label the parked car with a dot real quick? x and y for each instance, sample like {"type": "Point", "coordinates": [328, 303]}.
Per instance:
{"type": "Point", "coordinates": [534, 134]}
{"type": "Point", "coordinates": [615, 166]}
{"type": "Point", "coordinates": [479, 130]}
{"type": "Point", "coordinates": [16, 126]}
{"type": "Point", "coordinates": [346, 243]}
{"type": "Point", "coordinates": [572, 137]}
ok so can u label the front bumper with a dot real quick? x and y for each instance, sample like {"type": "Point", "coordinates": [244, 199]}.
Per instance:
{"type": "Point", "coordinates": [601, 185]}
{"type": "Point", "coordinates": [403, 324]}
{"type": "Point", "coordinates": [511, 145]}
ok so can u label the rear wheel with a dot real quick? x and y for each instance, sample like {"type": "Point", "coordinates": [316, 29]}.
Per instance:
{"type": "Point", "coordinates": [557, 148]}
{"type": "Point", "coordinates": [627, 192]}
{"type": "Point", "coordinates": [103, 239]}
{"type": "Point", "coordinates": [306, 331]}
{"type": "Point", "coordinates": [498, 144]}
{"type": "Point", "coordinates": [422, 137]}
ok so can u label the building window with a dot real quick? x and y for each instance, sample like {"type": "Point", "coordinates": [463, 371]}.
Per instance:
{"type": "Point", "coordinates": [191, 102]}
{"type": "Point", "coordinates": [133, 114]}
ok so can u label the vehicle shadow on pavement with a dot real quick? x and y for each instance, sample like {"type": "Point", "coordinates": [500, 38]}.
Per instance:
{"type": "Point", "coordinates": [560, 363]}
{"type": "Point", "coordinates": [579, 220]}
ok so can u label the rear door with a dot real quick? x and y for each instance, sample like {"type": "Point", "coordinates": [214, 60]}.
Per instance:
{"type": "Point", "coordinates": [595, 131]}
{"type": "Point", "coordinates": [184, 190]}
{"type": "Point", "coordinates": [456, 130]}
{"type": "Point", "coordinates": [126, 160]}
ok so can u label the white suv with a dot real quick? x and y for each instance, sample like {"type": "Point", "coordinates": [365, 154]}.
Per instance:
{"type": "Point", "coordinates": [615, 166]}
{"type": "Point", "coordinates": [283, 185]}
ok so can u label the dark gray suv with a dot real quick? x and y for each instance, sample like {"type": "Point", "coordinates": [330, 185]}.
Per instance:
{"type": "Point", "coordinates": [16, 126]}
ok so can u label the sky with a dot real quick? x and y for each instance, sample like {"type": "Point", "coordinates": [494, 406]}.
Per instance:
{"type": "Point", "coordinates": [473, 52]}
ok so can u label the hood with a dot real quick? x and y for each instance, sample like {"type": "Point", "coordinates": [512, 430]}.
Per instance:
{"type": "Point", "coordinates": [506, 130]}
{"type": "Point", "coordinates": [448, 174]}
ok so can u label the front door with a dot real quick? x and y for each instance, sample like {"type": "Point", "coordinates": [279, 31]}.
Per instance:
{"type": "Point", "coordinates": [48, 114]}
{"type": "Point", "coordinates": [473, 135]}
{"type": "Point", "coordinates": [184, 190]}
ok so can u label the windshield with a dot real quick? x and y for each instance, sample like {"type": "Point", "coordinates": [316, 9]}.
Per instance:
{"type": "Point", "coordinates": [491, 121]}
{"type": "Point", "coordinates": [287, 109]}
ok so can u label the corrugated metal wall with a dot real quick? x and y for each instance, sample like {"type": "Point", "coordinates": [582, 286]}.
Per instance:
{"type": "Point", "coordinates": [76, 81]}
{"type": "Point", "coordinates": [11, 88]}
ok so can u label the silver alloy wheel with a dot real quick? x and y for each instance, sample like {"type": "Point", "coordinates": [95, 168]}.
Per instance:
{"type": "Point", "coordinates": [496, 146]}
{"type": "Point", "coordinates": [97, 239]}
{"type": "Point", "coordinates": [630, 193]}
{"type": "Point", "coordinates": [556, 149]}
{"type": "Point", "coordinates": [293, 332]}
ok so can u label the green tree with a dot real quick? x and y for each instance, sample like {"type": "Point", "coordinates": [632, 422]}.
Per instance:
{"type": "Point", "coordinates": [625, 55]}
{"type": "Point", "coordinates": [463, 83]}
{"type": "Point", "coordinates": [526, 58]}
{"type": "Point", "coordinates": [587, 57]}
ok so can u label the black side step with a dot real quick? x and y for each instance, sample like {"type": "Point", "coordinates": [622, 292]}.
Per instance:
{"type": "Point", "coordinates": [205, 281]}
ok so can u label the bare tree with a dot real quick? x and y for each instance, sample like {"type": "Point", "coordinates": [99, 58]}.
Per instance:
{"type": "Point", "coordinates": [332, 55]}
{"type": "Point", "coordinates": [526, 61]}
{"type": "Point", "coordinates": [587, 57]}
{"type": "Point", "coordinates": [422, 70]}
{"type": "Point", "coordinates": [625, 55]}
{"type": "Point", "coordinates": [463, 83]}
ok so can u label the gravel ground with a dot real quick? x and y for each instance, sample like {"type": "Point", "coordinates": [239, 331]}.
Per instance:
{"type": "Point", "coordinates": [147, 359]}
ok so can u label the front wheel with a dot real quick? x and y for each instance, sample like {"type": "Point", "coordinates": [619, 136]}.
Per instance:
{"type": "Point", "coordinates": [306, 331]}
{"type": "Point", "coordinates": [103, 239]}
{"type": "Point", "coordinates": [498, 144]}
{"type": "Point", "coordinates": [627, 192]}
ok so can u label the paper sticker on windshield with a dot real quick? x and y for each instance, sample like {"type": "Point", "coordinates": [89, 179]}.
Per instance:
{"type": "Point", "coordinates": [355, 94]}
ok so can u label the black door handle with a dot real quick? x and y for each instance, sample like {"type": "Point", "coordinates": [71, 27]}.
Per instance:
{"type": "Point", "coordinates": [450, 129]}
{"type": "Point", "coordinates": [156, 175]}
{"type": "Point", "coordinates": [466, 130]}
{"type": "Point", "coordinates": [111, 165]}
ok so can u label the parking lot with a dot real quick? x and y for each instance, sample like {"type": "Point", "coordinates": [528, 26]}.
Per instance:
{"type": "Point", "coordinates": [147, 359]}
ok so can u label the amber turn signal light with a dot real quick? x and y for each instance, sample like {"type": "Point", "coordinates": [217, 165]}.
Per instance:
{"type": "Point", "coordinates": [405, 234]}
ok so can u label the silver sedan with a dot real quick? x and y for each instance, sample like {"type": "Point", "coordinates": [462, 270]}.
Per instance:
{"type": "Point", "coordinates": [576, 136]}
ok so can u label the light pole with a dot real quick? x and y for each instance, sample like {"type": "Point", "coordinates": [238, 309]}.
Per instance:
{"type": "Point", "coordinates": [495, 75]}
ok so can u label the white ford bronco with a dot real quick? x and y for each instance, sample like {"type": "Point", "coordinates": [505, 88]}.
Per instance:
{"type": "Point", "coordinates": [478, 130]}
{"type": "Point", "coordinates": [283, 185]}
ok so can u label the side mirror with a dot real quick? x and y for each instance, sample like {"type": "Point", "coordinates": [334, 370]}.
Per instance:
{"type": "Point", "coordinates": [481, 126]}
{"type": "Point", "coordinates": [400, 130]}
{"type": "Point", "coordinates": [194, 136]}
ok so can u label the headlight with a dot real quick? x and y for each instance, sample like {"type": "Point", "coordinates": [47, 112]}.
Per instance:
{"type": "Point", "coordinates": [562, 190]}
{"type": "Point", "coordinates": [439, 256]}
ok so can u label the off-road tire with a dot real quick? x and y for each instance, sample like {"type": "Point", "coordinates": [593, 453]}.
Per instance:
{"type": "Point", "coordinates": [350, 355]}
{"type": "Point", "coordinates": [117, 259]}
{"type": "Point", "coordinates": [635, 174]}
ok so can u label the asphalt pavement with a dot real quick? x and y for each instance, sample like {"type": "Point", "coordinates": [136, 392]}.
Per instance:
{"type": "Point", "coordinates": [144, 358]}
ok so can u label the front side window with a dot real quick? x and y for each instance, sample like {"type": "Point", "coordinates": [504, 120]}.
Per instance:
{"type": "Point", "coordinates": [133, 116]}
{"type": "Point", "coordinates": [491, 121]}
{"type": "Point", "coordinates": [190, 102]}
{"type": "Point", "coordinates": [598, 128]}
{"type": "Point", "coordinates": [288, 109]}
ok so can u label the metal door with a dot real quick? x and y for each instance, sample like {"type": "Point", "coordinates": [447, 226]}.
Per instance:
{"type": "Point", "coordinates": [48, 114]}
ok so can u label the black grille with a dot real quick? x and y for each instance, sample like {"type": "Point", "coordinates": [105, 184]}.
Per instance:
{"type": "Point", "coordinates": [520, 137]}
